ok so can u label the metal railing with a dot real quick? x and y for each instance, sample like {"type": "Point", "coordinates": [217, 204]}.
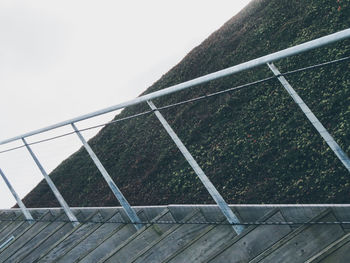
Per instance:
{"type": "Point", "coordinates": [229, 214]}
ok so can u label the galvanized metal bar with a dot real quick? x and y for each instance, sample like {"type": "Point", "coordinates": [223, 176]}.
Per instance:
{"type": "Point", "coordinates": [7, 242]}
{"type": "Point", "coordinates": [55, 191]}
{"type": "Point", "coordinates": [319, 42]}
{"type": "Point", "coordinates": [230, 216]}
{"type": "Point", "coordinates": [312, 118]}
{"type": "Point", "coordinates": [23, 208]}
{"type": "Point", "coordinates": [118, 194]}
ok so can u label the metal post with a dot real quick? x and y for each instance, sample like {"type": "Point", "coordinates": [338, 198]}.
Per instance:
{"type": "Point", "coordinates": [55, 191]}
{"type": "Point", "coordinates": [118, 194]}
{"type": "Point", "coordinates": [225, 209]}
{"type": "Point", "coordinates": [23, 208]}
{"type": "Point", "coordinates": [312, 118]}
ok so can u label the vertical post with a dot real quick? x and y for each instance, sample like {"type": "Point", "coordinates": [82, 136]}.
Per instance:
{"type": "Point", "coordinates": [23, 208]}
{"type": "Point", "coordinates": [55, 191]}
{"type": "Point", "coordinates": [225, 209]}
{"type": "Point", "coordinates": [312, 118]}
{"type": "Point", "coordinates": [118, 194]}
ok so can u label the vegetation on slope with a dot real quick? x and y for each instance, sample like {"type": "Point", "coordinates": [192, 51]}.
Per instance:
{"type": "Point", "coordinates": [255, 144]}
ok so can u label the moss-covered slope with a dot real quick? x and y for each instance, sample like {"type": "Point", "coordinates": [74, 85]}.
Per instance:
{"type": "Point", "coordinates": [254, 144]}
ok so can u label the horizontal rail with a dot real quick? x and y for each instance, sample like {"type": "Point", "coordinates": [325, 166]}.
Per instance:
{"type": "Point", "coordinates": [316, 43]}
{"type": "Point", "coordinates": [203, 97]}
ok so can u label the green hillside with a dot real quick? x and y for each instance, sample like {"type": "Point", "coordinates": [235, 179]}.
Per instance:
{"type": "Point", "coordinates": [255, 144]}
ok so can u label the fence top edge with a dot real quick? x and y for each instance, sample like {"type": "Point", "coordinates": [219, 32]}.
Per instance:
{"type": "Point", "coordinates": [316, 43]}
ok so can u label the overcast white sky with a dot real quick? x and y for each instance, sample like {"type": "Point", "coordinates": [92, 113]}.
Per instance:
{"type": "Point", "coordinates": [62, 59]}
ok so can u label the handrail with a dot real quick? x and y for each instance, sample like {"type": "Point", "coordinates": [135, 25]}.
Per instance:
{"type": "Point", "coordinates": [223, 206]}
{"type": "Point", "coordinates": [316, 43]}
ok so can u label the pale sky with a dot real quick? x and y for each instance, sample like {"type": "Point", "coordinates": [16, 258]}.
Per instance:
{"type": "Point", "coordinates": [62, 59]}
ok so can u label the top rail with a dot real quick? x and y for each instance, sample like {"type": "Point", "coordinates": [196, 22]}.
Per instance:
{"type": "Point", "coordinates": [316, 43]}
